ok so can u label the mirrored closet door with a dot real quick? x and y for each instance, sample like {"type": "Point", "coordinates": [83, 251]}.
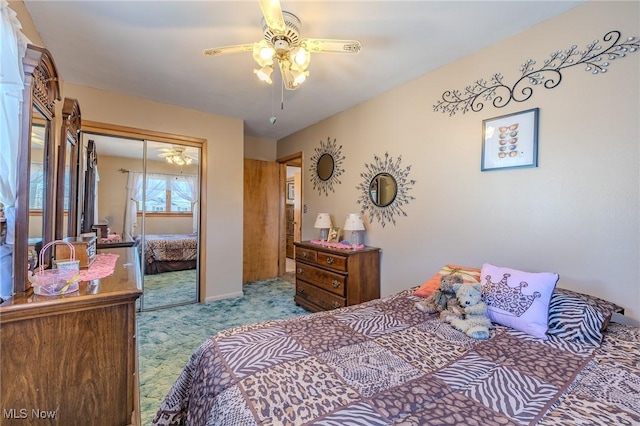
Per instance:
{"type": "Point", "coordinates": [148, 196]}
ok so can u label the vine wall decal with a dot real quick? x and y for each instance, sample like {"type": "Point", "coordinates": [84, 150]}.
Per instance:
{"type": "Point", "coordinates": [387, 167]}
{"type": "Point", "coordinates": [549, 75]}
{"type": "Point", "coordinates": [324, 185]}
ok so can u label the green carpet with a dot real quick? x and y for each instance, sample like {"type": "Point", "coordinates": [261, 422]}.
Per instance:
{"type": "Point", "coordinates": [170, 288]}
{"type": "Point", "coordinates": [168, 337]}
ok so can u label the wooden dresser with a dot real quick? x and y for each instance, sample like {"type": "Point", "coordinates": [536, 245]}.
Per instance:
{"type": "Point", "coordinates": [72, 359]}
{"type": "Point", "coordinates": [333, 278]}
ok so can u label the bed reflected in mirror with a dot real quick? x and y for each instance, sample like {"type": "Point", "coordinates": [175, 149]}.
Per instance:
{"type": "Point", "coordinates": [148, 197]}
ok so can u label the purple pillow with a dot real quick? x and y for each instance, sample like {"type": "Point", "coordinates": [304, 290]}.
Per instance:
{"type": "Point", "coordinates": [518, 299]}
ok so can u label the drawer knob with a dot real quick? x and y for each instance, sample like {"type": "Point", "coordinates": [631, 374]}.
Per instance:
{"type": "Point", "coordinates": [301, 290]}
{"type": "Point", "coordinates": [304, 254]}
{"type": "Point", "coordinates": [335, 305]}
{"type": "Point", "coordinates": [335, 283]}
{"type": "Point", "coordinates": [300, 271]}
{"type": "Point", "coordinates": [330, 260]}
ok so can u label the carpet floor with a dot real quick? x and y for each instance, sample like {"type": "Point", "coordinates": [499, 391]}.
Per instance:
{"type": "Point", "coordinates": [170, 288]}
{"type": "Point", "coordinates": [168, 337]}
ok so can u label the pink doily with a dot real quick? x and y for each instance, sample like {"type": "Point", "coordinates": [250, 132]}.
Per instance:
{"type": "Point", "coordinates": [341, 246]}
{"type": "Point", "coordinates": [103, 265]}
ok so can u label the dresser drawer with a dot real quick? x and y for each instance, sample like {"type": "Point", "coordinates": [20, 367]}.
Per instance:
{"type": "Point", "coordinates": [306, 254]}
{"type": "Point", "coordinates": [330, 260]}
{"type": "Point", "coordinates": [319, 297]}
{"type": "Point", "coordinates": [335, 283]}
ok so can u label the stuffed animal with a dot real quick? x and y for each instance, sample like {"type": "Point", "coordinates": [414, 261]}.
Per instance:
{"type": "Point", "coordinates": [438, 301]}
{"type": "Point", "coordinates": [454, 310]}
{"type": "Point", "coordinates": [476, 323]}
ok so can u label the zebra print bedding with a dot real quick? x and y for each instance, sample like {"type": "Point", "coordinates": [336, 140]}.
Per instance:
{"type": "Point", "coordinates": [385, 362]}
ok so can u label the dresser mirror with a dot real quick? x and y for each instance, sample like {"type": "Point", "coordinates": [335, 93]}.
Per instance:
{"type": "Point", "coordinates": [37, 177]}
{"type": "Point", "coordinates": [383, 189]}
{"type": "Point", "coordinates": [67, 194]}
{"type": "Point", "coordinates": [34, 215]}
{"type": "Point", "coordinates": [325, 167]}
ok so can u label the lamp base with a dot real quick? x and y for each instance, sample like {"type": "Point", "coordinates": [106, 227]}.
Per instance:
{"type": "Point", "coordinates": [324, 233]}
{"type": "Point", "coordinates": [356, 238]}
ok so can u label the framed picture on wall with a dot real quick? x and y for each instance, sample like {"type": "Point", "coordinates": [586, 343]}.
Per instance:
{"type": "Point", "coordinates": [510, 141]}
{"type": "Point", "coordinates": [291, 192]}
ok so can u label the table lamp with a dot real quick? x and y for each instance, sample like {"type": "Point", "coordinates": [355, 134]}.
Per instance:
{"type": "Point", "coordinates": [323, 222]}
{"type": "Point", "coordinates": [355, 225]}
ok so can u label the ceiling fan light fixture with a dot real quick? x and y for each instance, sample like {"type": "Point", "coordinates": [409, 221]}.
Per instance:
{"type": "Point", "coordinates": [282, 44]}
{"type": "Point", "coordinates": [264, 73]}
{"type": "Point", "coordinates": [179, 159]}
{"type": "Point", "coordinates": [299, 77]}
{"type": "Point", "coordinates": [300, 58]}
{"type": "Point", "coordinates": [263, 53]}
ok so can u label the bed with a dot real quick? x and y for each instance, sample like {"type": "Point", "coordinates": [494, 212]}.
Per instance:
{"type": "Point", "coordinates": [169, 252]}
{"type": "Point", "coordinates": [385, 362]}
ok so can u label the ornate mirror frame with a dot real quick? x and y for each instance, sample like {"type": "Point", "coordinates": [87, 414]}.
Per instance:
{"type": "Point", "coordinates": [322, 178]}
{"type": "Point", "coordinates": [371, 179]}
{"type": "Point", "coordinates": [41, 91]}
{"type": "Point", "coordinates": [68, 148]}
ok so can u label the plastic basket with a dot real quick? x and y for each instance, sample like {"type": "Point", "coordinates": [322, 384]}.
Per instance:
{"type": "Point", "coordinates": [53, 282]}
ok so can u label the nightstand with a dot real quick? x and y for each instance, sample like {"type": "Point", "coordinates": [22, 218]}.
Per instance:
{"type": "Point", "coordinates": [328, 278]}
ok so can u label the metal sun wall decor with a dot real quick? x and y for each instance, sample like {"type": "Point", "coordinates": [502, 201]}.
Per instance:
{"type": "Point", "coordinates": [549, 75]}
{"type": "Point", "coordinates": [385, 214]}
{"type": "Point", "coordinates": [325, 185]}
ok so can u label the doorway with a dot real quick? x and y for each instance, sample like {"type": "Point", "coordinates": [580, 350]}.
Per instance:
{"type": "Point", "coordinates": [293, 210]}
{"type": "Point", "coordinates": [148, 197]}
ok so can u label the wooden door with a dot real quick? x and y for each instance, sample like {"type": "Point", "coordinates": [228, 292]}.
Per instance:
{"type": "Point", "coordinates": [263, 211]}
{"type": "Point", "coordinates": [289, 226]}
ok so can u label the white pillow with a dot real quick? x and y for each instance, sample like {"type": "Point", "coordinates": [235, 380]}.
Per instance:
{"type": "Point", "coordinates": [518, 299]}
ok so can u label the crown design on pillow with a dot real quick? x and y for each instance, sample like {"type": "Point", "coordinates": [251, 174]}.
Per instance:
{"type": "Point", "coordinates": [509, 299]}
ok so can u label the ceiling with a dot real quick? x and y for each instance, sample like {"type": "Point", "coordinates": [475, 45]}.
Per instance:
{"type": "Point", "coordinates": [153, 50]}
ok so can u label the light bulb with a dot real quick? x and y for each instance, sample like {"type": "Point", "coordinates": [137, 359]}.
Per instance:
{"type": "Point", "coordinates": [266, 53]}
{"type": "Point", "coordinates": [264, 74]}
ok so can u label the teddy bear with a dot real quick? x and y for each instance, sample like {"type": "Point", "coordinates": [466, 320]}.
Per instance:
{"type": "Point", "coordinates": [440, 299]}
{"type": "Point", "coordinates": [476, 323]}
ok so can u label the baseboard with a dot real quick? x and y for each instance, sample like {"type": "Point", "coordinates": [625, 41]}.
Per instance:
{"type": "Point", "coordinates": [223, 296]}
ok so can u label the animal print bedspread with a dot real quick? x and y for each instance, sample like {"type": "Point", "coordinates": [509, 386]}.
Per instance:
{"type": "Point", "coordinates": [170, 247]}
{"type": "Point", "coordinates": [384, 362]}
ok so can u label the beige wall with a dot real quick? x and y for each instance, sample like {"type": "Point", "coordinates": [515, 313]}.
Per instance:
{"type": "Point", "coordinates": [577, 213]}
{"type": "Point", "coordinates": [260, 148]}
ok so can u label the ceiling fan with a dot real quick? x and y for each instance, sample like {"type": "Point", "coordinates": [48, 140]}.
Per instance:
{"type": "Point", "coordinates": [177, 155]}
{"type": "Point", "coordinates": [282, 43]}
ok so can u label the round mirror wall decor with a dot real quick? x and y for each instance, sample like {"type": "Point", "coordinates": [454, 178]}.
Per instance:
{"type": "Point", "coordinates": [384, 189]}
{"type": "Point", "coordinates": [326, 166]}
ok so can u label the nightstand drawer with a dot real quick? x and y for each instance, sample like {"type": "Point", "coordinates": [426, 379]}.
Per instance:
{"type": "Point", "coordinates": [306, 254]}
{"type": "Point", "coordinates": [333, 261]}
{"type": "Point", "coordinates": [335, 283]}
{"type": "Point", "coordinates": [317, 296]}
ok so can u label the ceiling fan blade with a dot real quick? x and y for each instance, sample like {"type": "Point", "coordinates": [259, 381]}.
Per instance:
{"type": "Point", "coordinates": [272, 12]}
{"type": "Point", "coordinates": [320, 45]}
{"type": "Point", "coordinates": [215, 51]}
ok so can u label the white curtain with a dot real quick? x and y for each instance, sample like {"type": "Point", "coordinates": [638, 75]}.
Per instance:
{"type": "Point", "coordinates": [134, 196]}
{"type": "Point", "coordinates": [186, 186]}
{"type": "Point", "coordinates": [13, 45]}
{"type": "Point", "coordinates": [156, 187]}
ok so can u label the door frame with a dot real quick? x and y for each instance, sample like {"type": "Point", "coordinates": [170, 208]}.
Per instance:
{"type": "Point", "coordinates": [296, 159]}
